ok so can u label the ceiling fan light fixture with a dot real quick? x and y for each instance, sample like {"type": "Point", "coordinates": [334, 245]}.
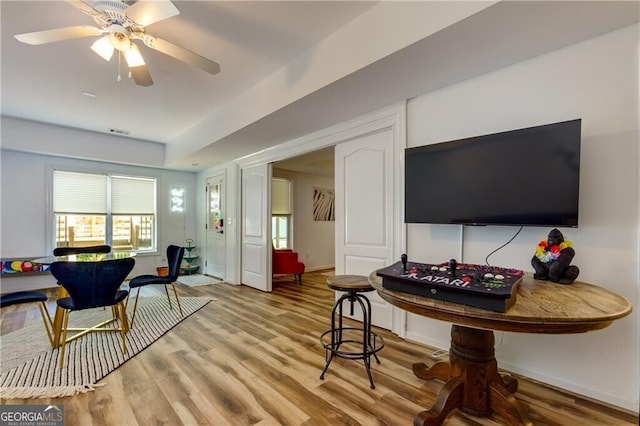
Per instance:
{"type": "Point", "coordinates": [133, 56]}
{"type": "Point", "coordinates": [119, 37]}
{"type": "Point", "coordinates": [103, 48]}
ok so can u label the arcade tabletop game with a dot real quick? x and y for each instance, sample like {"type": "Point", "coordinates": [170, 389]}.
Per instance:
{"type": "Point", "coordinates": [482, 286]}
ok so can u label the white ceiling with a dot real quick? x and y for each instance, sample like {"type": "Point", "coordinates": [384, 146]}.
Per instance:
{"type": "Point", "coordinates": [252, 42]}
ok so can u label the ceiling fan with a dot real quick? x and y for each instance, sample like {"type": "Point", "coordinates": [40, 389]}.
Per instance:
{"type": "Point", "coordinates": [119, 24]}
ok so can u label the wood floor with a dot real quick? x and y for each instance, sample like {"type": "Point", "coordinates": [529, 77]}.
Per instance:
{"type": "Point", "coordinates": [254, 358]}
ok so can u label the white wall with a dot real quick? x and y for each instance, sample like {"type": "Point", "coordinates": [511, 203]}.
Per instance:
{"type": "Point", "coordinates": [597, 81]}
{"type": "Point", "coordinates": [314, 241]}
{"type": "Point", "coordinates": [36, 137]}
{"type": "Point", "coordinates": [26, 210]}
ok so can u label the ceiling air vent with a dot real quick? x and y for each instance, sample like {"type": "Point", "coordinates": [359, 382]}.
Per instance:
{"type": "Point", "coordinates": [119, 131]}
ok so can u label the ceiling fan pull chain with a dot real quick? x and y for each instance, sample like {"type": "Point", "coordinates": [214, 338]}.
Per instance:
{"type": "Point", "coordinates": [119, 66]}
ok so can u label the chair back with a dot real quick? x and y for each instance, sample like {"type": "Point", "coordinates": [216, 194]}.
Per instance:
{"type": "Point", "coordinates": [92, 284]}
{"type": "Point", "coordinates": [174, 259]}
{"type": "Point", "coordinates": [66, 251]}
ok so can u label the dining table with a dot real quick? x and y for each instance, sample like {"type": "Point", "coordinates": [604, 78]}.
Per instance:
{"type": "Point", "coordinates": [80, 257]}
{"type": "Point", "coordinates": [84, 257]}
{"type": "Point", "coordinates": [472, 379]}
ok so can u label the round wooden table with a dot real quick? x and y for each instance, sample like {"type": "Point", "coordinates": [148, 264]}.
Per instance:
{"type": "Point", "coordinates": [473, 383]}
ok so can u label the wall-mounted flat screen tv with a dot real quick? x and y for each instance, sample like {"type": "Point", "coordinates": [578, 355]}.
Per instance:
{"type": "Point", "coordinates": [527, 177]}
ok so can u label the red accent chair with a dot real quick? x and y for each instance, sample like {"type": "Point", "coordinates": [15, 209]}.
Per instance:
{"type": "Point", "coordinates": [285, 261]}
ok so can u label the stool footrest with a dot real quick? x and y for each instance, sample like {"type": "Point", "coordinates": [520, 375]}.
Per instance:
{"type": "Point", "coordinates": [374, 346]}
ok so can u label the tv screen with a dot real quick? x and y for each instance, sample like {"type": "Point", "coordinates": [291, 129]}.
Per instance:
{"type": "Point", "coordinates": [519, 177]}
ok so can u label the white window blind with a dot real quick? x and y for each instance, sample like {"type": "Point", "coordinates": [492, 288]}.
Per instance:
{"type": "Point", "coordinates": [79, 193]}
{"type": "Point", "coordinates": [133, 196]}
{"type": "Point", "coordinates": [280, 196]}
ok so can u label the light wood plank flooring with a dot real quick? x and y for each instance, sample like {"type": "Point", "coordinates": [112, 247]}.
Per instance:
{"type": "Point", "coordinates": [254, 358]}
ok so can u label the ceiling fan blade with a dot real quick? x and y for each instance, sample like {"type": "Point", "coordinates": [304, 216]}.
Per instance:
{"type": "Point", "coordinates": [50, 36]}
{"type": "Point", "coordinates": [182, 54]}
{"type": "Point", "coordinates": [146, 12]}
{"type": "Point", "coordinates": [141, 75]}
{"type": "Point", "coordinates": [82, 6]}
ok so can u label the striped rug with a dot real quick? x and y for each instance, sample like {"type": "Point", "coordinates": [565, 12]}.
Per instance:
{"type": "Point", "coordinates": [30, 368]}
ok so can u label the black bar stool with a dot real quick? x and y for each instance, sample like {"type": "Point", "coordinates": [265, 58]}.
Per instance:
{"type": "Point", "coordinates": [369, 343]}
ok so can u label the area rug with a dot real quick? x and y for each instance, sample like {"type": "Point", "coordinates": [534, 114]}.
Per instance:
{"type": "Point", "coordinates": [197, 280]}
{"type": "Point", "coordinates": [30, 368]}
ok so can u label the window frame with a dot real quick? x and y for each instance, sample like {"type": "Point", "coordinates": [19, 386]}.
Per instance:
{"type": "Point", "coordinates": [285, 210]}
{"type": "Point", "coordinates": [109, 215]}
{"type": "Point", "coordinates": [274, 231]}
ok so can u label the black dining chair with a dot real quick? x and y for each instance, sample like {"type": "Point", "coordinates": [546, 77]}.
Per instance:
{"type": "Point", "coordinates": [19, 297]}
{"type": "Point", "coordinates": [66, 251]}
{"type": "Point", "coordinates": [174, 258]}
{"type": "Point", "coordinates": [93, 285]}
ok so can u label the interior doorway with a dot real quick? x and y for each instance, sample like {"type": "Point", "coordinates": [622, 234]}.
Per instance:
{"type": "Point", "coordinates": [368, 167]}
{"type": "Point", "coordinates": [312, 238]}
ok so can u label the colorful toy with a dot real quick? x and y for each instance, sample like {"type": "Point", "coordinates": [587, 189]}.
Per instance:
{"type": "Point", "coordinates": [552, 259]}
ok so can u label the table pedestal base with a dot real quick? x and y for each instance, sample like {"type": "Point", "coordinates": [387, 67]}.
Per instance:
{"type": "Point", "coordinates": [473, 383]}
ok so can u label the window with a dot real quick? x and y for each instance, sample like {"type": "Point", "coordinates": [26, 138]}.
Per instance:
{"type": "Point", "coordinates": [93, 209]}
{"type": "Point", "coordinates": [281, 212]}
{"type": "Point", "coordinates": [216, 220]}
{"type": "Point", "coordinates": [280, 231]}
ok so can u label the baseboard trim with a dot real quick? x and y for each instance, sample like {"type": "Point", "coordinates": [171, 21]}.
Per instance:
{"type": "Point", "coordinates": [319, 268]}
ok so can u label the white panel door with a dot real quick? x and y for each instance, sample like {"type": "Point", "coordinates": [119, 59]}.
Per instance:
{"type": "Point", "coordinates": [364, 211]}
{"type": "Point", "coordinates": [216, 241]}
{"type": "Point", "coordinates": [256, 227]}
